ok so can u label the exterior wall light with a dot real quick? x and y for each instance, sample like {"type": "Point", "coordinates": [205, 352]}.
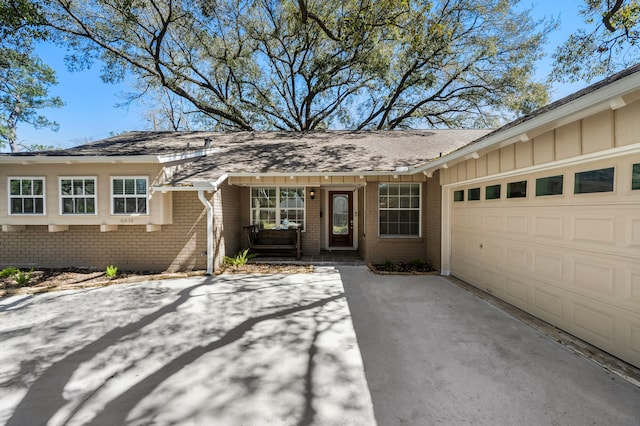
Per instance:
{"type": "Point", "coordinates": [312, 194]}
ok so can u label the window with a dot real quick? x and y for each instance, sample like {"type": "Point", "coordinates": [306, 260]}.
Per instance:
{"type": "Point", "coordinates": [551, 185]}
{"type": "Point", "coordinates": [458, 195]}
{"type": "Point", "coordinates": [492, 192]}
{"type": "Point", "coordinates": [399, 209]}
{"type": "Point", "coordinates": [275, 207]}
{"type": "Point", "coordinates": [77, 195]}
{"type": "Point", "coordinates": [129, 195]}
{"type": "Point", "coordinates": [635, 177]}
{"type": "Point", "coordinates": [26, 195]}
{"type": "Point", "coordinates": [517, 189]}
{"type": "Point", "coordinates": [594, 181]}
{"type": "Point", "coordinates": [473, 194]}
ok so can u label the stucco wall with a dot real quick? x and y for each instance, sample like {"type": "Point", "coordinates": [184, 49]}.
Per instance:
{"type": "Point", "coordinates": [176, 247]}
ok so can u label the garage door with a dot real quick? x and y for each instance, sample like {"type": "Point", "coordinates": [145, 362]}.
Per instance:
{"type": "Point", "coordinates": [563, 245]}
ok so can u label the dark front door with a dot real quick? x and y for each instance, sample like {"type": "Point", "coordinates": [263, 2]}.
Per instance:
{"type": "Point", "coordinates": [341, 219]}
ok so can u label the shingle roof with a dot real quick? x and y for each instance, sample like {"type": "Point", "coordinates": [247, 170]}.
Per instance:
{"type": "Point", "coordinates": [320, 152]}
{"type": "Point", "coordinates": [282, 152]}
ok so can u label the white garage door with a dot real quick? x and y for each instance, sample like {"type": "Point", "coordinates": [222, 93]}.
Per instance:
{"type": "Point", "coordinates": [571, 259]}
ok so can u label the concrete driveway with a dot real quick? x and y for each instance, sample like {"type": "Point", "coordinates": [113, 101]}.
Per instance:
{"type": "Point", "coordinates": [435, 354]}
{"type": "Point", "coordinates": [281, 350]}
{"type": "Point", "coordinates": [229, 350]}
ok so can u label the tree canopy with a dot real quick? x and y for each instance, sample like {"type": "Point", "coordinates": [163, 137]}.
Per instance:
{"type": "Point", "coordinates": [24, 78]}
{"type": "Point", "coordinates": [315, 64]}
{"type": "Point", "coordinates": [608, 44]}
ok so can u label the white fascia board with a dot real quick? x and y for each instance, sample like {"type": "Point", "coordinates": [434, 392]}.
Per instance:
{"type": "Point", "coordinates": [186, 155]}
{"type": "Point", "coordinates": [79, 159]}
{"type": "Point", "coordinates": [409, 171]}
{"type": "Point", "coordinates": [107, 159]}
{"type": "Point", "coordinates": [196, 186]}
{"type": "Point", "coordinates": [579, 108]}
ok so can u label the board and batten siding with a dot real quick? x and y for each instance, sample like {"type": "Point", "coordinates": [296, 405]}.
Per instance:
{"type": "Point", "coordinates": [570, 259]}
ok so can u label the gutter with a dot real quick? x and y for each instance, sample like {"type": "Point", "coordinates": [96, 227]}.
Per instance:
{"type": "Point", "coordinates": [113, 159]}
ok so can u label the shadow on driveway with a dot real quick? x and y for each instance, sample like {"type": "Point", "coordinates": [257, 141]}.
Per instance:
{"type": "Point", "coordinates": [276, 349]}
{"type": "Point", "coordinates": [435, 354]}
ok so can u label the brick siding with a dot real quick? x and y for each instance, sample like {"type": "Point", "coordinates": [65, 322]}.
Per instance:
{"type": "Point", "coordinates": [176, 247]}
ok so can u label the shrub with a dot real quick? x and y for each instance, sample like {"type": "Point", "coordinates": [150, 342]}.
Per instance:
{"type": "Point", "coordinates": [23, 278]}
{"type": "Point", "coordinates": [239, 259]}
{"type": "Point", "coordinates": [9, 272]}
{"type": "Point", "coordinates": [417, 263]}
{"type": "Point", "coordinates": [111, 271]}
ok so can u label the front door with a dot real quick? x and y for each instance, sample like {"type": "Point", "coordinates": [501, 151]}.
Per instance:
{"type": "Point", "coordinates": [341, 219]}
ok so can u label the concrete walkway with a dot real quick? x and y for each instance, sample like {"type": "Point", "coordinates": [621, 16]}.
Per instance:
{"type": "Point", "coordinates": [229, 350]}
{"type": "Point", "coordinates": [436, 355]}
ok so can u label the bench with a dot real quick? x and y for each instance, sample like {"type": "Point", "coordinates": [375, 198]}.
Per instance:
{"type": "Point", "coordinates": [275, 241]}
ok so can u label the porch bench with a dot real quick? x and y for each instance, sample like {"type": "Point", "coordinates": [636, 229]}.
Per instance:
{"type": "Point", "coordinates": [275, 241]}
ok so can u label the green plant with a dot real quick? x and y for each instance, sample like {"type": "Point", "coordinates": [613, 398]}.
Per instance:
{"type": "Point", "coordinates": [239, 259]}
{"type": "Point", "coordinates": [9, 272]}
{"type": "Point", "coordinates": [389, 265]}
{"type": "Point", "coordinates": [23, 278]}
{"type": "Point", "coordinates": [111, 271]}
{"type": "Point", "coordinates": [417, 263]}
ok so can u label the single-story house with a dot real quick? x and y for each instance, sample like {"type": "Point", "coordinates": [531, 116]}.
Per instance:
{"type": "Point", "coordinates": [543, 212]}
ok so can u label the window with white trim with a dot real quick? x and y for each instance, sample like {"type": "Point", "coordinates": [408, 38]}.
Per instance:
{"type": "Point", "coordinates": [77, 195]}
{"type": "Point", "coordinates": [399, 209]}
{"type": "Point", "coordinates": [129, 195]}
{"type": "Point", "coordinates": [277, 207]}
{"type": "Point", "coordinates": [26, 195]}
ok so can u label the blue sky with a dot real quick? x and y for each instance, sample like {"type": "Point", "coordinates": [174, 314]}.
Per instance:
{"type": "Point", "coordinates": [90, 112]}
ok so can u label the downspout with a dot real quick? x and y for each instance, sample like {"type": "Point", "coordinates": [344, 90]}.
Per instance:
{"type": "Point", "coordinates": [210, 231]}
{"type": "Point", "coordinates": [210, 235]}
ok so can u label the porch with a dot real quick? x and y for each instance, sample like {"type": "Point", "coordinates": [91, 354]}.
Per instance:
{"type": "Point", "coordinates": [325, 257]}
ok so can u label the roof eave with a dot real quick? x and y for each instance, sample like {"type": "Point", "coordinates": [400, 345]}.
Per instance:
{"type": "Point", "coordinates": [607, 97]}
{"type": "Point", "coordinates": [111, 159]}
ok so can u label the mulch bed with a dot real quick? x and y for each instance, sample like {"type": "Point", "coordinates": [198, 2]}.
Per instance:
{"type": "Point", "coordinates": [401, 268]}
{"type": "Point", "coordinates": [46, 280]}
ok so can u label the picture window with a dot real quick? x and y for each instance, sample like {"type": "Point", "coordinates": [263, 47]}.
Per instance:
{"type": "Point", "coordinates": [277, 207]}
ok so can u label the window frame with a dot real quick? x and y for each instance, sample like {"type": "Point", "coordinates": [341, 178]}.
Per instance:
{"type": "Point", "coordinates": [112, 196]}
{"type": "Point", "coordinates": [633, 174]}
{"type": "Point", "coordinates": [21, 196]}
{"type": "Point", "coordinates": [278, 208]}
{"type": "Point", "coordinates": [419, 209]}
{"type": "Point", "coordinates": [577, 185]}
{"type": "Point", "coordinates": [474, 194]}
{"type": "Point", "coordinates": [512, 190]}
{"type": "Point", "coordinates": [73, 196]}
{"type": "Point", "coordinates": [486, 192]}
{"type": "Point", "coordinates": [548, 193]}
